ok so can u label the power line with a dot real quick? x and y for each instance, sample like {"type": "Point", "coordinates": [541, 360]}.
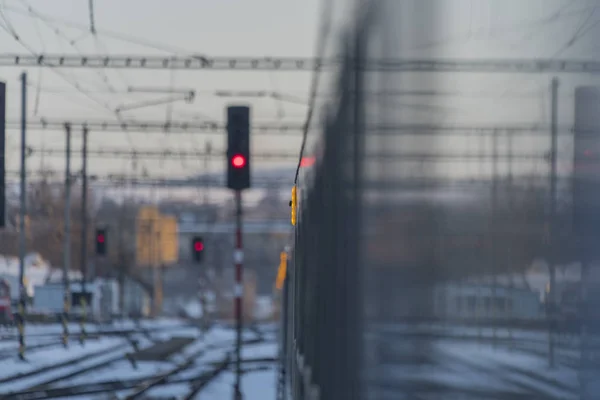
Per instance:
{"type": "Point", "coordinates": [517, 66]}
{"type": "Point", "coordinates": [174, 154]}
{"type": "Point", "coordinates": [177, 154]}
{"type": "Point", "coordinates": [192, 127]}
{"type": "Point", "coordinates": [295, 98]}
{"type": "Point", "coordinates": [50, 176]}
{"type": "Point", "coordinates": [151, 126]}
{"type": "Point", "coordinates": [102, 32]}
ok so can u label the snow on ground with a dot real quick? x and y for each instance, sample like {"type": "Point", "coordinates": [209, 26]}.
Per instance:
{"type": "Point", "coordinates": [261, 350]}
{"type": "Point", "coordinates": [515, 361]}
{"type": "Point", "coordinates": [468, 365]}
{"type": "Point", "coordinates": [193, 309]}
{"type": "Point", "coordinates": [263, 309]}
{"type": "Point", "coordinates": [55, 356]}
{"type": "Point", "coordinates": [255, 386]}
{"type": "Point", "coordinates": [175, 390]}
{"type": "Point", "coordinates": [38, 330]}
{"type": "Point", "coordinates": [44, 357]}
{"type": "Point", "coordinates": [121, 370]}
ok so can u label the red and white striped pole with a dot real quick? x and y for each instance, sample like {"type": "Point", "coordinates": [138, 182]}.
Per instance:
{"type": "Point", "coordinates": [238, 259]}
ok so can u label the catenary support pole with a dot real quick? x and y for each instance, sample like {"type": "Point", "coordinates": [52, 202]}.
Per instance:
{"type": "Point", "coordinates": [552, 221]}
{"type": "Point", "coordinates": [238, 256]}
{"type": "Point", "coordinates": [207, 154]}
{"type": "Point", "coordinates": [84, 233]}
{"type": "Point", "coordinates": [67, 239]}
{"type": "Point", "coordinates": [494, 235]}
{"type": "Point", "coordinates": [22, 215]}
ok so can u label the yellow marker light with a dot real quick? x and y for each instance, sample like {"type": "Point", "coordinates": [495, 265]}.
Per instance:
{"type": "Point", "coordinates": [282, 271]}
{"type": "Point", "coordinates": [293, 205]}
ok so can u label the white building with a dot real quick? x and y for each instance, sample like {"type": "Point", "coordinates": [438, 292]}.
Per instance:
{"type": "Point", "coordinates": [473, 300]}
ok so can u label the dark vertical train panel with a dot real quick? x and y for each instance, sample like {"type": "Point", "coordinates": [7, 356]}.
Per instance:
{"type": "Point", "coordinates": [2, 154]}
{"type": "Point", "coordinates": [586, 166]}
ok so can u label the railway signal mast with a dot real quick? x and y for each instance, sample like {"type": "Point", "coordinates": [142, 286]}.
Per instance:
{"type": "Point", "coordinates": [101, 242]}
{"type": "Point", "coordinates": [198, 249]}
{"type": "Point", "coordinates": [238, 179]}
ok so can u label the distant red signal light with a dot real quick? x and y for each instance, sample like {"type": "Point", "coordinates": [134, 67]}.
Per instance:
{"type": "Point", "coordinates": [198, 246]}
{"type": "Point", "coordinates": [100, 238]}
{"type": "Point", "coordinates": [238, 161]}
{"type": "Point", "coordinates": [307, 162]}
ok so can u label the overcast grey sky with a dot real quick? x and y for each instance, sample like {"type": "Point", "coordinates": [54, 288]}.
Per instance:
{"type": "Point", "coordinates": [421, 28]}
{"type": "Point", "coordinates": [214, 28]}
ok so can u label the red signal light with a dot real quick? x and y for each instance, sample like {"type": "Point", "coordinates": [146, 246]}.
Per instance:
{"type": "Point", "coordinates": [198, 246]}
{"type": "Point", "coordinates": [100, 239]}
{"type": "Point", "coordinates": [238, 161]}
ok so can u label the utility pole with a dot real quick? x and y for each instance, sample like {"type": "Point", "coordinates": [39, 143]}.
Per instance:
{"type": "Point", "coordinates": [511, 243]}
{"type": "Point", "coordinates": [22, 214]}
{"type": "Point", "coordinates": [121, 269]}
{"type": "Point", "coordinates": [494, 232]}
{"type": "Point", "coordinates": [482, 144]}
{"type": "Point", "coordinates": [67, 238]}
{"type": "Point", "coordinates": [552, 221]}
{"type": "Point", "coordinates": [238, 179]}
{"type": "Point", "coordinates": [207, 154]}
{"type": "Point", "coordinates": [84, 233]}
{"type": "Point", "coordinates": [238, 293]}
{"type": "Point", "coordinates": [157, 270]}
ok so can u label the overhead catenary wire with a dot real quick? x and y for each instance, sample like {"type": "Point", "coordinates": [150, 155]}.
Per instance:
{"type": "Point", "coordinates": [102, 32]}
{"type": "Point", "coordinates": [529, 66]}
{"type": "Point", "coordinates": [177, 154]}
{"type": "Point", "coordinates": [560, 14]}
{"type": "Point", "coordinates": [76, 85]}
{"type": "Point", "coordinates": [274, 127]}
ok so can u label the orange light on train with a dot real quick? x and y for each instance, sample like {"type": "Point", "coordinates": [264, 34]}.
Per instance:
{"type": "Point", "coordinates": [293, 205]}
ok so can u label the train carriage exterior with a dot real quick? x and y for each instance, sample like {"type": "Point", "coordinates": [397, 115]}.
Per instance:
{"type": "Point", "coordinates": [377, 232]}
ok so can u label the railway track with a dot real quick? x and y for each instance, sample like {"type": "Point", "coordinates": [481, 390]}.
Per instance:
{"type": "Point", "coordinates": [47, 375]}
{"type": "Point", "coordinates": [137, 388]}
{"type": "Point", "coordinates": [113, 386]}
{"type": "Point", "coordinates": [144, 330]}
{"type": "Point", "coordinates": [12, 351]}
{"type": "Point", "coordinates": [196, 385]}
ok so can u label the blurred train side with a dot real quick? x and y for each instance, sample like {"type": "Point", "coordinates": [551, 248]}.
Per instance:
{"type": "Point", "coordinates": [362, 257]}
{"type": "Point", "coordinates": [372, 244]}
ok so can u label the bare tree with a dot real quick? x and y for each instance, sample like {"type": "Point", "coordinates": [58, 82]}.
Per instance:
{"type": "Point", "coordinates": [45, 223]}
